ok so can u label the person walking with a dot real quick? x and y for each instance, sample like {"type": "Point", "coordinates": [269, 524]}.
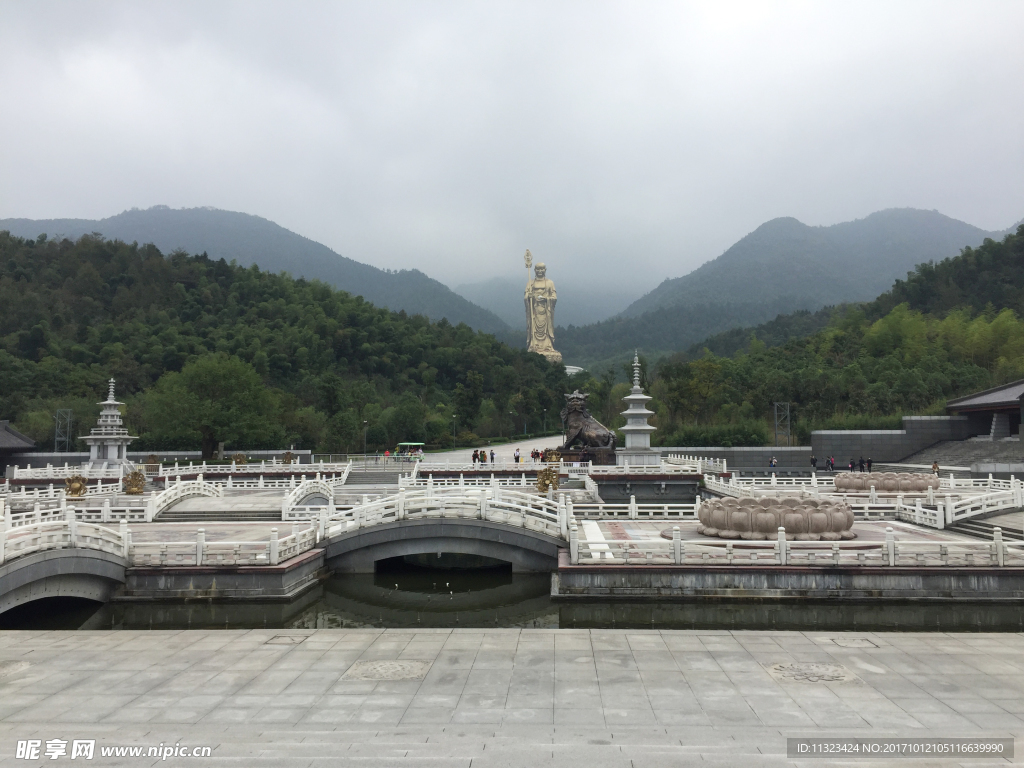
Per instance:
{"type": "Point", "coordinates": [483, 457]}
{"type": "Point", "coordinates": [869, 463]}
{"type": "Point", "coordinates": [515, 456]}
{"type": "Point", "coordinates": [814, 463]}
{"type": "Point", "coordinates": [852, 464]}
{"type": "Point", "coordinates": [492, 455]}
{"type": "Point", "coordinates": [860, 464]}
{"type": "Point", "coordinates": [935, 468]}
{"type": "Point", "coordinates": [476, 457]}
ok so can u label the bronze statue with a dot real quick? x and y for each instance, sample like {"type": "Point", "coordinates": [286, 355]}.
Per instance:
{"type": "Point", "coordinates": [582, 428]}
{"type": "Point", "coordinates": [540, 302]}
{"type": "Point", "coordinates": [134, 482]}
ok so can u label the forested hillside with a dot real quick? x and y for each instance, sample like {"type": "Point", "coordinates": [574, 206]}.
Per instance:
{"type": "Point", "coordinates": [189, 339]}
{"type": "Point", "coordinates": [253, 240]}
{"type": "Point", "coordinates": [783, 266]}
{"type": "Point", "coordinates": [950, 328]}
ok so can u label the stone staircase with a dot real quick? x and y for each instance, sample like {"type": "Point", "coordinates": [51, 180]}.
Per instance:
{"type": "Point", "coordinates": [211, 516]}
{"type": "Point", "coordinates": [372, 477]}
{"type": "Point", "coordinates": [963, 453]}
{"type": "Point", "coordinates": [980, 529]}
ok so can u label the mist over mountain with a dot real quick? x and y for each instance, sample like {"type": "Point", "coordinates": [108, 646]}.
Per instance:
{"type": "Point", "coordinates": [783, 266]}
{"type": "Point", "coordinates": [851, 261]}
{"type": "Point", "coordinates": [250, 239]}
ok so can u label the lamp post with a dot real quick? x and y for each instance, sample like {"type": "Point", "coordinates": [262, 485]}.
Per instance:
{"type": "Point", "coordinates": [545, 419]}
{"type": "Point", "coordinates": [512, 418]}
{"type": "Point", "coordinates": [454, 441]}
{"type": "Point", "coordinates": [365, 424]}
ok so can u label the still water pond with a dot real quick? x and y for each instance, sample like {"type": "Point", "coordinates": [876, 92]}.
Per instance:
{"type": "Point", "coordinates": [408, 596]}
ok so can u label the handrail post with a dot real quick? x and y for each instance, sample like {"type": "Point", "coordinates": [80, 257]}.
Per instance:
{"type": "Point", "coordinates": [783, 549]}
{"type": "Point", "coordinates": [632, 508]}
{"type": "Point", "coordinates": [574, 544]}
{"type": "Point", "coordinates": [890, 545]}
{"type": "Point", "coordinates": [273, 546]}
{"type": "Point", "coordinates": [677, 549]}
{"type": "Point", "coordinates": [200, 545]}
{"type": "Point", "coordinates": [566, 517]}
{"type": "Point", "coordinates": [949, 509]}
{"type": "Point", "coordinates": [72, 527]}
{"type": "Point", "coordinates": [997, 542]}
{"type": "Point", "coordinates": [321, 530]}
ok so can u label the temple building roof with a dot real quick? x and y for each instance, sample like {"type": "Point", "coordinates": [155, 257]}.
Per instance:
{"type": "Point", "coordinates": [1006, 396]}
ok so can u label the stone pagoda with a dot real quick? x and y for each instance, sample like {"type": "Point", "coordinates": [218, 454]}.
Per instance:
{"type": "Point", "coordinates": [637, 450]}
{"type": "Point", "coordinates": [108, 441]}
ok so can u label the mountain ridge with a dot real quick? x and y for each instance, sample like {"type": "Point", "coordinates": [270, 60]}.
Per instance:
{"type": "Point", "coordinates": [249, 239]}
{"type": "Point", "coordinates": [848, 261]}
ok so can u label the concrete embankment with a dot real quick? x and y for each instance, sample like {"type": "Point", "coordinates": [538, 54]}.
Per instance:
{"type": "Point", "coordinates": [658, 583]}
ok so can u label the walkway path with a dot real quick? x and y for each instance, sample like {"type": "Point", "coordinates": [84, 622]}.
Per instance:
{"type": "Point", "coordinates": [502, 452]}
{"type": "Point", "coordinates": [482, 698]}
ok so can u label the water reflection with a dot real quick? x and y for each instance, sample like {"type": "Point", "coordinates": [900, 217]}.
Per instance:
{"type": "Point", "coordinates": [495, 597]}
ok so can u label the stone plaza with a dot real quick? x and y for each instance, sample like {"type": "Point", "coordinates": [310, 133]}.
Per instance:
{"type": "Point", "coordinates": [503, 697]}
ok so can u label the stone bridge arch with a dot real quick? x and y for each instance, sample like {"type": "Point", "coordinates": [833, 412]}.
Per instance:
{"type": "Point", "coordinates": [357, 551]}
{"type": "Point", "coordinates": [87, 573]}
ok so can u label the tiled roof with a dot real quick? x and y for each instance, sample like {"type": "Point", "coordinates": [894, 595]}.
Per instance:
{"type": "Point", "coordinates": [12, 440]}
{"type": "Point", "coordinates": [1006, 395]}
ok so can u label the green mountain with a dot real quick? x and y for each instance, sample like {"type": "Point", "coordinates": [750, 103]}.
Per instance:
{"type": "Point", "coordinates": [988, 277]}
{"type": "Point", "coordinates": [252, 240]}
{"type": "Point", "coordinates": [206, 351]}
{"type": "Point", "coordinates": [815, 266]}
{"type": "Point", "coordinates": [950, 328]}
{"type": "Point", "coordinates": [781, 267]}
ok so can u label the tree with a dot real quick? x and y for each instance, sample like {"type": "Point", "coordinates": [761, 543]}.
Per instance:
{"type": "Point", "coordinates": [215, 399]}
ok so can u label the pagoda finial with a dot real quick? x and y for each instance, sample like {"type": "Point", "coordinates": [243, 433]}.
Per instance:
{"type": "Point", "coordinates": [636, 368]}
{"type": "Point", "coordinates": [110, 391]}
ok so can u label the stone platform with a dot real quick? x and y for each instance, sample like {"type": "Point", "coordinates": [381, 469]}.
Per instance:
{"type": "Point", "coordinates": [505, 697]}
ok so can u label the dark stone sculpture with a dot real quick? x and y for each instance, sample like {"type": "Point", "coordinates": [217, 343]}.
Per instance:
{"type": "Point", "coordinates": [583, 429]}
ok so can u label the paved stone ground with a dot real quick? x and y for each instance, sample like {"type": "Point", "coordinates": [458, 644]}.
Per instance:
{"type": "Point", "coordinates": [501, 697]}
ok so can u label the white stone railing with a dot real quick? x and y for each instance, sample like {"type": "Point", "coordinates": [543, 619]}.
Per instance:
{"type": "Point", "coordinates": [697, 464]}
{"type": "Point", "coordinates": [663, 468]}
{"type": "Point", "coordinates": [169, 554]}
{"type": "Point", "coordinates": [526, 464]}
{"type": "Point", "coordinates": [825, 483]}
{"type": "Point", "coordinates": [50, 472]}
{"type": "Point", "coordinates": [497, 504]}
{"type": "Point", "coordinates": [473, 481]}
{"type": "Point", "coordinates": [891, 552]}
{"type": "Point", "coordinates": [65, 533]}
{"type": "Point", "coordinates": [263, 468]}
{"type": "Point", "coordinates": [634, 511]}
{"type": "Point", "coordinates": [105, 512]}
{"type": "Point", "coordinates": [315, 487]}
{"type": "Point", "coordinates": [179, 490]}
{"type": "Point", "coordinates": [14, 494]}
{"type": "Point", "coordinates": [931, 508]}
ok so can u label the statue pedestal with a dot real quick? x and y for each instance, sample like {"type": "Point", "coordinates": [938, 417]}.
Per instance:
{"type": "Point", "coordinates": [637, 457]}
{"type": "Point", "coordinates": [598, 456]}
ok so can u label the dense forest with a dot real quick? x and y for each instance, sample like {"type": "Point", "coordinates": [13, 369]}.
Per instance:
{"type": "Point", "coordinates": [950, 328]}
{"type": "Point", "coordinates": [205, 351]}
{"type": "Point", "coordinates": [249, 240]}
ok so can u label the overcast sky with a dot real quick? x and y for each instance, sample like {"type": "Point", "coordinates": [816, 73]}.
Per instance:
{"type": "Point", "coordinates": [631, 140]}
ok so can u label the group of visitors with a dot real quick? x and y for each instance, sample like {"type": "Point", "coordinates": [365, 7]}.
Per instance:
{"type": "Point", "coordinates": [860, 466]}
{"type": "Point", "coordinates": [538, 455]}
{"type": "Point", "coordinates": [830, 464]}
{"type": "Point", "coordinates": [481, 456]}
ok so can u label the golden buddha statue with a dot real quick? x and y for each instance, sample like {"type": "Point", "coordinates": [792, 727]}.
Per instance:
{"type": "Point", "coordinates": [540, 301]}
